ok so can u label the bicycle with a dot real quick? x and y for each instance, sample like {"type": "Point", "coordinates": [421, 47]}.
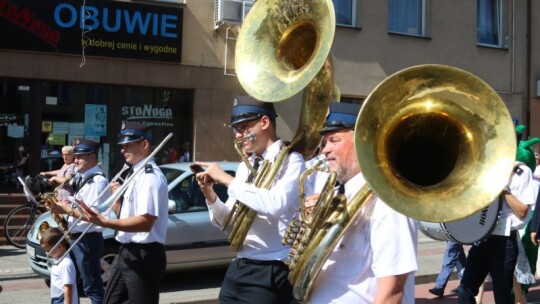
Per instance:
{"type": "Point", "coordinates": [19, 221]}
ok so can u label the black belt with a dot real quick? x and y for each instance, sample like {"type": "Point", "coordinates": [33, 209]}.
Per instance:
{"type": "Point", "coordinates": [260, 262]}
{"type": "Point", "coordinates": [78, 234]}
{"type": "Point", "coordinates": [141, 245]}
{"type": "Point", "coordinates": [513, 234]}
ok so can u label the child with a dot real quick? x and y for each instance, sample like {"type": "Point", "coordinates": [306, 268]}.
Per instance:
{"type": "Point", "coordinates": [63, 274]}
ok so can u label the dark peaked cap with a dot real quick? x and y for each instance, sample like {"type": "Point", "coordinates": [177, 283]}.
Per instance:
{"type": "Point", "coordinates": [85, 146]}
{"type": "Point", "coordinates": [133, 131]}
{"type": "Point", "coordinates": [246, 108]}
{"type": "Point", "coordinates": [341, 116]}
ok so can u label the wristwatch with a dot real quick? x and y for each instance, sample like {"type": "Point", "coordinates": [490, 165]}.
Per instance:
{"type": "Point", "coordinates": [506, 191]}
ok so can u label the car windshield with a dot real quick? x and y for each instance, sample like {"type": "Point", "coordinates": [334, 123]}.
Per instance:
{"type": "Point", "coordinates": [171, 174]}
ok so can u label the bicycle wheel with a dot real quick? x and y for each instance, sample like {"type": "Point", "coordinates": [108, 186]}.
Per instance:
{"type": "Point", "coordinates": [18, 222]}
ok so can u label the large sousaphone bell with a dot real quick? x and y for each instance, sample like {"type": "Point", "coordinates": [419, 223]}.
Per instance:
{"type": "Point", "coordinates": [435, 143]}
{"type": "Point", "coordinates": [283, 48]}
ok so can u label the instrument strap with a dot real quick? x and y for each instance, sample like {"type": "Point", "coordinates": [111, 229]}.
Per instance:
{"type": "Point", "coordinates": [87, 179]}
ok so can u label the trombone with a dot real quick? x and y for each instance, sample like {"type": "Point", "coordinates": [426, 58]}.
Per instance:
{"type": "Point", "coordinates": [105, 206]}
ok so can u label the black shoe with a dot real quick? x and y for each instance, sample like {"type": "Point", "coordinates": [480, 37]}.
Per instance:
{"type": "Point", "coordinates": [454, 290]}
{"type": "Point", "coordinates": [439, 292]}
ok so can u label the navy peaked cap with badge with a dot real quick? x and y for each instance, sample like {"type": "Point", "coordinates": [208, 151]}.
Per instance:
{"type": "Point", "coordinates": [246, 108]}
{"type": "Point", "coordinates": [133, 131]}
{"type": "Point", "coordinates": [341, 116]}
{"type": "Point", "coordinates": [85, 146]}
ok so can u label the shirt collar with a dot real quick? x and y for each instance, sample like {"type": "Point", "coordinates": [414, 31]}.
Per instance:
{"type": "Point", "coordinates": [92, 170]}
{"type": "Point", "coordinates": [354, 184]}
{"type": "Point", "coordinates": [270, 153]}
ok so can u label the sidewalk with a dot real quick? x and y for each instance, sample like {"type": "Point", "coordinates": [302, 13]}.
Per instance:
{"type": "Point", "coordinates": [14, 266]}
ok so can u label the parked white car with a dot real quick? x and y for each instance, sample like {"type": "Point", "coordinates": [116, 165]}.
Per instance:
{"type": "Point", "coordinates": [192, 241]}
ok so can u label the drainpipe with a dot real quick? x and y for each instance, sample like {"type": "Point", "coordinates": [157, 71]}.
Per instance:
{"type": "Point", "coordinates": [528, 67]}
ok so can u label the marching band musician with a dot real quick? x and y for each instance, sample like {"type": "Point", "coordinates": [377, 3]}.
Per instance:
{"type": "Point", "coordinates": [90, 181]}
{"type": "Point", "coordinates": [375, 260]}
{"type": "Point", "coordinates": [141, 223]}
{"type": "Point", "coordinates": [498, 254]}
{"type": "Point", "coordinates": [258, 274]}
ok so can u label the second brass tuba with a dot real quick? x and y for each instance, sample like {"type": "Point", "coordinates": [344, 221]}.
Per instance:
{"type": "Point", "coordinates": [434, 142]}
{"type": "Point", "coordinates": [283, 48]}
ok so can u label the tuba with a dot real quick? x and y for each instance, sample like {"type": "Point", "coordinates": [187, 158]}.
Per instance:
{"type": "Point", "coordinates": [434, 142]}
{"type": "Point", "coordinates": [283, 48]}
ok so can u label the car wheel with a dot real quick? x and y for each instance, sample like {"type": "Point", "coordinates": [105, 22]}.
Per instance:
{"type": "Point", "coordinates": [108, 258]}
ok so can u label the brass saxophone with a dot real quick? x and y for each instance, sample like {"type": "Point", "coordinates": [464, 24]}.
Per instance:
{"type": "Point", "coordinates": [51, 198]}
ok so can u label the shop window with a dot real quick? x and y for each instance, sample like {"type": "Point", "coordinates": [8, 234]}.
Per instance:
{"type": "Point", "coordinates": [166, 110]}
{"type": "Point", "coordinates": [358, 100]}
{"type": "Point", "coordinates": [407, 17]}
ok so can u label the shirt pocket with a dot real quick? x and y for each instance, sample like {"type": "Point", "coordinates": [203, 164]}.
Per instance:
{"type": "Point", "coordinates": [351, 256]}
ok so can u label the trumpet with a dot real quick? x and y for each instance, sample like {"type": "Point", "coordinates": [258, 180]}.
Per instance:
{"type": "Point", "coordinates": [107, 205]}
{"type": "Point", "coordinates": [49, 199]}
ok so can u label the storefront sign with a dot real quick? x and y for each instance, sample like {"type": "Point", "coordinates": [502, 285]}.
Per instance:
{"type": "Point", "coordinates": [149, 115]}
{"type": "Point", "coordinates": [100, 27]}
{"type": "Point", "coordinates": [6, 119]}
{"type": "Point", "coordinates": [95, 119]}
{"type": "Point", "coordinates": [57, 139]}
{"type": "Point", "coordinates": [46, 126]}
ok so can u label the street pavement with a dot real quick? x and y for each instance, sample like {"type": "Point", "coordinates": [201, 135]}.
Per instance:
{"type": "Point", "coordinates": [18, 283]}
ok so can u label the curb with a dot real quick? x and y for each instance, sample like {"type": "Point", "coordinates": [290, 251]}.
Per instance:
{"type": "Point", "coordinates": [431, 278]}
{"type": "Point", "coordinates": [20, 276]}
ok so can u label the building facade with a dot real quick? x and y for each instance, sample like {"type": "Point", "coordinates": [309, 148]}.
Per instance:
{"type": "Point", "coordinates": [71, 69]}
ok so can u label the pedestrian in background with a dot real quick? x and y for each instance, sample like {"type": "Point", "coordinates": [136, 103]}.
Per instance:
{"type": "Point", "coordinates": [454, 257]}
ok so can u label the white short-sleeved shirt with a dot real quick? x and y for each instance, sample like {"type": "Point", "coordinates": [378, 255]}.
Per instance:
{"type": "Point", "coordinates": [522, 186]}
{"type": "Point", "coordinates": [381, 242]}
{"type": "Point", "coordinates": [146, 194]}
{"type": "Point", "coordinates": [89, 194]}
{"type": "Point", "coordinates": [275, 206]}
{"type": "Point", "coordinates": [64, 273]}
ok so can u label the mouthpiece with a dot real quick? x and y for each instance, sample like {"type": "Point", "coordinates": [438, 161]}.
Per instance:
{"type": "Point", "coordinates": [250, 136]}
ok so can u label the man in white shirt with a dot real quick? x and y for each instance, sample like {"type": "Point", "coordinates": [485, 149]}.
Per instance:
{"type": "Point", "coordinates": [375, 260]}
{"type": "Point", "coordinates": [258, 274]}
{"type": "Point", "coordinates": [498, 254]}
{"type": "Point", "coordinates": [142, 223]}
{"type": "Point", "coordinates": [90, 182]}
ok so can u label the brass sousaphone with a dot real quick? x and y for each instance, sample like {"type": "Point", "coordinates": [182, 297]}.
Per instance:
{"type": "Point", "coordinates": [434, 142]}
{"type": "Point", "coordinates": [283, 48]}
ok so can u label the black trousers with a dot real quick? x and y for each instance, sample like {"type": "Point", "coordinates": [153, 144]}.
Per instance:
{"type": "Point", "coordinates": [137, 274]}
{"type": "Point", "coordinates": [496, 256]}
{"type": "Point", "coordinates": [252, 281]}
